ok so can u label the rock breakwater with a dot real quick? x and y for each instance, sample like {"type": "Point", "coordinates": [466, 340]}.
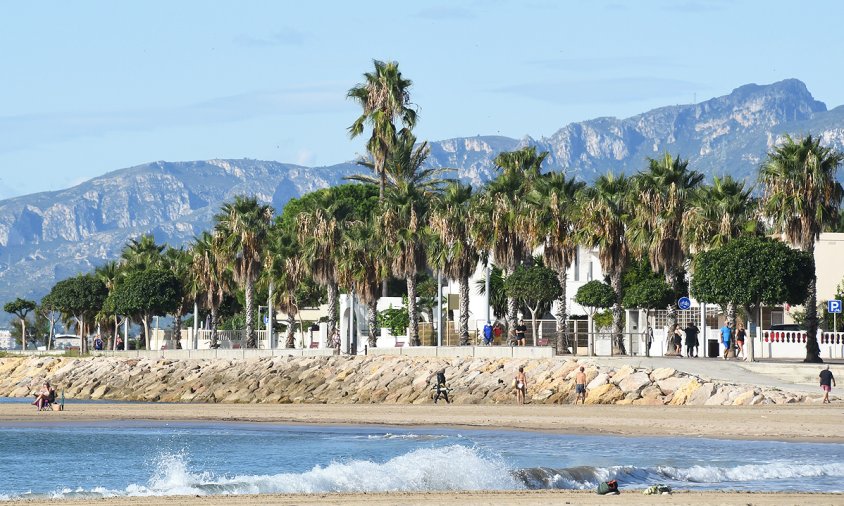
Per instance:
{"type": "Point", "coordinates": [372, 379]}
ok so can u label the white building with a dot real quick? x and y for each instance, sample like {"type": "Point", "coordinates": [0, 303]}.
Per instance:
{"type": "Point", "coordinates": [7, 342]}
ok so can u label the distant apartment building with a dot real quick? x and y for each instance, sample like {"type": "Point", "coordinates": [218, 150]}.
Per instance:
{"type": "Point", "coordinates": [7, 342]}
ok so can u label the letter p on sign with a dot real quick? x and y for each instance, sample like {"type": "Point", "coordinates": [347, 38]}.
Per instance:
{"type": "Point", "coordinates": [833, 306]}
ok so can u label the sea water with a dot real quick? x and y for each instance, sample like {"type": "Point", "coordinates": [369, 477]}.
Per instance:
{"type": "Point", "coordinates": [87, 460]}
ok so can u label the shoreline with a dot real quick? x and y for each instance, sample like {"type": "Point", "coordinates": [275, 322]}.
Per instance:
{"type": "Point", "coordinates": [804, 423]}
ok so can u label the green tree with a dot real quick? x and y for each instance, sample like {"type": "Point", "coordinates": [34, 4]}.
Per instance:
{"type": "Point", "coordinates": [20, 308]}
{"type": "Point", "coordinates": [595, 295]}
{"type": "Point", "coordinates": [802, 196]}
{"type": "Point", "coordinates": [535, 286]}
{"type": "Point", "coordinates": [498, 220]}
{"type": "Point", "coordinates": [664, 193]}
{"type": "Point", "coordinates": [606, 210]}
{"type": "Point", "coordinates": [81, 297]}
{"type": "Point", "coordinates": [751, 271]}
{"type": "Point", "coordinates": [384, 97]}
{"type": "Point", "coordinates": [141, 253]}
{"type": "Point", "coordinates": [211, 274]}
{"type": "Point", "coordinates": [497, 297]}
{"type": "Point", "coordinates": [362, 268]}
{"type": "Point", "coordinates": [145, 294]}
{"type": "Point", "coordinates": [52, 315]}
{"type": "Point", "coordinates": [449, 222]}
{"type": "Point", "coordinates": [551, 218]}
{"type": "Point", "coordinates": [179, 262]}
{"type": "Point", "coordinates": [243, 226]}
{"type": "Point", "coordinates": [646, 289]}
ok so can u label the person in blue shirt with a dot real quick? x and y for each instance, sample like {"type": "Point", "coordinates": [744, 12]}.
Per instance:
{"type": "Point", "coordinates": [726, 335]}
{"type": "Point", "coordinates": [487, 334]}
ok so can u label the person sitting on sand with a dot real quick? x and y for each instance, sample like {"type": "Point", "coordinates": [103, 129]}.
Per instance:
{"type": "Point", "coordinates": [580, 385]}
{"type": "Point", "coordinates": [521, 386]}
{"type": "Point", "coordinates": [44, 397]}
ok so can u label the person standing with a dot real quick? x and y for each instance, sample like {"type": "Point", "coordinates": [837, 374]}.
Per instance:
{"type": "Point", "coordinates": [442, 388]}
{"type": "Point", "coordinates": [487, 334]}
{"type": "Point", "coordinates": [580, 386]}
{"type": "Point", "coordinates": [335, 340]}
{"type": "Point", "coordinates": [827, 382]}
{"type": "Point", "coordinates": [691, 339]}
{"type": "Point", "coordinates": [726, 338]}
{"type": "Point", "coordinates": [677, 339]}
{"type": "Point", "coordinates": [521, 386]}
{"type": "Point", "coordinates": [520, 332]}
{"type": "Point", "coordinates": [649, 340]}
{"type": "Point", "coordinates": [740, 336]}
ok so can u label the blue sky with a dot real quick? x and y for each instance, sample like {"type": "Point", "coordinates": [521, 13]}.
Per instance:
{"type": "Point", "coordinates": [89, 87]}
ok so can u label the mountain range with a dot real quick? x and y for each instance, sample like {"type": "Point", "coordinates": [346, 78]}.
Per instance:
{"type": "Point", "coordinates": [49, 236]}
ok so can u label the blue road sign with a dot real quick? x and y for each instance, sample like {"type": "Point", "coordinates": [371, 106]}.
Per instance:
{"type": "Point", "coordinates": [833, 306]}
{"type": "Point", "coordinates": [266, 320]}
{"type": "Point", "coordinates": [684, 303]}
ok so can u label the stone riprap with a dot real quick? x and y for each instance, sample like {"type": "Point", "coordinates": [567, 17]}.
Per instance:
{"type": "Point", "coordinates": [372, 379]}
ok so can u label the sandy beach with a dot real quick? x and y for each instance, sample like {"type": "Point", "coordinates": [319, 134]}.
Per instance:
{"type": "Point", "coordinates": [817, 423]}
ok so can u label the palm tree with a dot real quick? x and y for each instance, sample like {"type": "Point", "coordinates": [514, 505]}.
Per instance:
{"type": "Point", "coordinates": [449, 221]}
{"type": "Point", "coordinates": [178, 261]}
{"type": "Point", "coordinates": [605, 211]}
{"type": "Point", "coordinates": [664, 192]}
{"type": "Point", "coordinates": [550, 222]}
{"type": "Point", "coordinates": [384, 97]}
{"type": "Point", "coordinates": [319, 234]}
{"type": "Point", "coordinates": [243, 226]}
{"type": "Point", "coordinates": [362, 268]}
{"type": "Point", "coordinates": [497, 221]}
{"type": "Point", "coordinates": [286, 270]}
{"type": "Point", "coordinates": [720, 213]}
{"type": "Point", "coordinates": [140, 254]}
{"type": "Point", "coordinates": [209, 268]}
{"type": "Point", "coordinates": [410, 188]}
{"type": "Point", "coordinates": [110, 273]}
{"type": "Point", "coordinates": [801, 197]}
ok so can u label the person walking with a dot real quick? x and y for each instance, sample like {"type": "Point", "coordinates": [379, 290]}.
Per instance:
{"type": "Point", "coordinates": [580, 386]}
{"type": "Point", "coordinates": [442, 388]}
{"type": "Point", "coordinates": [521, 328]}
{"type": "Point", "coordinates": [521, 386]}
{"type": "Point", "coordinates": [726, 338]}
{"type": "Point", "coordinates": [691, 339]}
{"type": "Point", "coordinates": [487, 334]}
{"type": "Point", "coordinates": [740, 336]}
{"type": "Point", "coordinates": [827, 382]}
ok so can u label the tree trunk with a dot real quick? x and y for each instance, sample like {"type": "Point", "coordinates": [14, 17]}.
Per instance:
{"type": "Point", "coordinates": [250, 314]}
{"type": "Point", "coordinates": [533, 325]}
{"type": "Point", "coordinates": [177, 328]}
{"type": "Point", "coordinates": [671, 310]}
{"type": "Point", "coordinates": [214, 340]}
{"type": "Point", "coordinates": [83, 340]}
{"type": "Point", "coordinates": [145, 320]}
{"type": "Point", "coordinates": [332, 307]}
{"type": "Point", "coordinates": [116, 332]}
{"type": "Point", "coordinates": [617, 311]}
{"type": "Point", "coordinates": [23, 333]}
{"type": "Point", "coordinates": [412, 312]}
{"type": "Point", "coordinates": [751, 321]}
{"type": "Point", "coordinates": [372, 320]}
{"type": "Point", "coordinates": [290, 335]}
{"type": "Point", "coordinates": [52, 333]}
{"type": "Point", "coordinates": [813, 351]}
{"type": "Point", "coordinates": [561, 342]}
{"type": "Point", "coordinates": [464, 310]}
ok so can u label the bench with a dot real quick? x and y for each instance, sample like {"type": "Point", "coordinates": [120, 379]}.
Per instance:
{"type": "Point", "coordinates": [543, 341]}
{"type": "Point", "coordinates": [399, 344]}
{"type": "Point", "coordinates": [314, 344]}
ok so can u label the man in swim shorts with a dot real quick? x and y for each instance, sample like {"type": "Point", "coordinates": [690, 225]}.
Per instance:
{"type": "Point", "coordinates": [827, 382]}
{"type": "Point", "coordinates": [580, 386]}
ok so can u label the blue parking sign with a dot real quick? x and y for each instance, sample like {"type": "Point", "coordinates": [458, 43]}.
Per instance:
{"type": "Point", "coordinates": [833, 306]}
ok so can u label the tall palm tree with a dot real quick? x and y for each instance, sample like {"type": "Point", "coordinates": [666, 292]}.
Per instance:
{"type": "Point", "coordinates": [802, 195]}
{"type": "Point", "coordinates": [110, 273]}
{"type": "Point", "coordinates": [362, 268]}
{"type": "Point", "coordinates": [210, 270]}
{"type": "Point", "coordinates": [605, 212]}
{"type": "Point", "coordinates": [664, 192]}
{"type": "Point", "coordinates": [243, 226]}
{"type": "Point", "coordinates": [178, 261]}
{"type": "Point", "coordinates": [319, 234]}
{"type": "Point", "coordinates": [286, 269]}
{"type": "Point", "coordinates": [720, 213]}
{"type": "Point", "coordinates": [550, 220]}
{"type": "Point", "coordinates": [384, 97]}
{"type": "Point", "coordinates": [497, 221]}
{"type": "Point", "coordinates": [410, 189]}
{"type": "Point", "coordinates": [459, 257]}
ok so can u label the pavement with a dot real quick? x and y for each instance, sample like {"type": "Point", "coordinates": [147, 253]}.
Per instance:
{"type": "Point", "coordinates": [793, 375]}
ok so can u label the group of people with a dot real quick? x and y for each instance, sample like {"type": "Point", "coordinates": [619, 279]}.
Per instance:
{"type": "Point", "coordinates": [493, 331]}
{"type": "Point", "coordinates": [727, 339]}
{"type": "Point", "coordinates": [692, 342]}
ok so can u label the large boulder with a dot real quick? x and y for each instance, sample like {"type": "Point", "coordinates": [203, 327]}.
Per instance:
{"type": "Point", "coordinates": [634, 382]}
{"type": "Point", "coordinates": [604, 394]}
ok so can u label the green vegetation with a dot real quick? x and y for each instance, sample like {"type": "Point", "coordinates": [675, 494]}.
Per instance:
{"type": "Point", "coordinates": [402, 221]}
